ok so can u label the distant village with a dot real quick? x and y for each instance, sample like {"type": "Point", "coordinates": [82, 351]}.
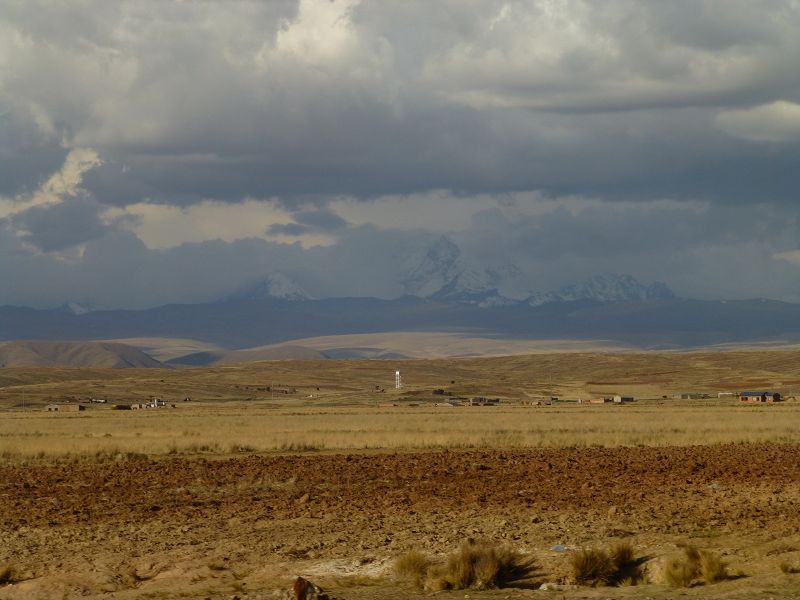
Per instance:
{"type": "Point", "coordinates": [436, 397]}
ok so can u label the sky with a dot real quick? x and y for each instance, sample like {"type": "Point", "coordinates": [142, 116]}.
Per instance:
{"type": "Point", "coordinates": [156, 152]}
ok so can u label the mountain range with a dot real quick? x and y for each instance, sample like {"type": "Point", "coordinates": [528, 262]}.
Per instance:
{"type": "Point", "coordinates": [443, 293]}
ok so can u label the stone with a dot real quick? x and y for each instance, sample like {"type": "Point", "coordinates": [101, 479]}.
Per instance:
{"type": "Point", "coordinates": [303, 589]}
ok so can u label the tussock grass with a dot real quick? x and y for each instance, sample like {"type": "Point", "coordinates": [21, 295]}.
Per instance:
{"type": "Point", "coordinates": [592, 566]}
{"type": "Point", "coordinates": [8, 574]}
{"type": "Point", "coordinates": [712, 568]}
{"type": "Point", "coordinates": [788, 568]}
{"type": "Point", "coordinates": [217, 565]}
{"type": "Point", "coordinates": [679, 572]}
{"type": "Point", "coordinates": [599, 567]}
{"type": "Point", "coordinates": [682, 571]}
{"type": "Point", "coordinates": [412, 567]}
{"type": "Point", "coordinates": [475, 565]}
{"type": "Point", "coordinates": [623, 555]}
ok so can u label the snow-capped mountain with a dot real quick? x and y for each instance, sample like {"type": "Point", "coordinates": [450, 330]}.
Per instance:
{"type": "Point", "coordinates": [430, 269]}
{"type": "Point", "coordinates": [77, 308]}
{"type": "Point", "coordinates": [439, 272]}
{"type": "Point", "coordinates": [608, 287]}
{"type": "Point", "coordinates": [276, 285]}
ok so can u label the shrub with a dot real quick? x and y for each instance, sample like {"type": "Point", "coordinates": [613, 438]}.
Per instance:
{"type": "Point", "coordinates": [481, 565]}
{"type": "Point", "coordinates": [592, 566]}
{"type": "Point", "coordinates": [713, 569]}
{"type": "Point", "coordinates": [787, 568]}
{"type": "Point", "coordinates": [412, 567]}
{"type": "Point", "coordinates": [475, 565]}
{"type": "Point", "coordinates": [623, 555]}
{"type": "Point", "coordinates": [679, 572]}
{"type": "Point", "coordinates": [7, 574]}
{"type": "Point", "coordinates": [616, 566]}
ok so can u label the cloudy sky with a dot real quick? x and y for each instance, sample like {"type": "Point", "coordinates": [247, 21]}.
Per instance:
{"type": "Point", "coordinates": [156, 152]}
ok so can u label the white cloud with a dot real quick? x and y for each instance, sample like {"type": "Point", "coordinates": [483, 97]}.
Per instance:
{"type": "Point", "coordinates": [62, 184]}
{"type": "Point", "coordinates": [320, 34]}
{"type": "Point", "coordinates": [162, 226]}
{"type": "Point", "coordinates": [774, 122]}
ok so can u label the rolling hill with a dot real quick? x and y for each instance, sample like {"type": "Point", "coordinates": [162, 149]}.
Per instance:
{"type": "Point", "coordinates": [29, 353]}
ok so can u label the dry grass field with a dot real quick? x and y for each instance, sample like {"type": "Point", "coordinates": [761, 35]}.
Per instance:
{"type": "Point", "coordinates": [220, 429]}
{"type": "Point", "coordinates": [278, 469]}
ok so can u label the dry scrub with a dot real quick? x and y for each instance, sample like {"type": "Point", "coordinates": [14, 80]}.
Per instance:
{"type": "Point", "coordinates": [7, 574]}
{"type": "Point", "coordinates": [682, 571]}
{"type": "Point", "coordinates": [787, 568]}
{"type": "Point", "coordinates": [599, 567]}
{"type": "Point", "coordinates": [475, 565]}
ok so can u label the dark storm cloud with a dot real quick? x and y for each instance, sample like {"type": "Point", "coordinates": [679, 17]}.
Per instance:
{"type": "Point", "coordinates": [61, 226]}
{"type": "Point", "coordinates": [200, 100]}
{"type": "Point", "coordinates": [624, 104]}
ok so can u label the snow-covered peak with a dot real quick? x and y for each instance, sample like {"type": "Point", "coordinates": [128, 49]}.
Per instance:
{"type": "Point", "coordinates": [608, 287]}
{"type": "Point", "coordinates": [440, 272]}
{"type": "Point", "coordinates": [77, 308]}
{"type": "Point", "coordinates": [430, 269]}
{"type": "Point", "coordinates": [276, 285]}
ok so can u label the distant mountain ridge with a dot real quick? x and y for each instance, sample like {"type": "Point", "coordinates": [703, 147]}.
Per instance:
{"type": "Point", "coordinates": [666, 323]}
{"type": "Point", "coordinates": [443, 291]}
{"type": "Point", "coordinates": [440, 272]}
{"type": "Point", "coordinates": [274, 285]}
{"type": "Point", "coordinates": [608, 287]}
{"type": "Point", "coordinates": [30, 353]}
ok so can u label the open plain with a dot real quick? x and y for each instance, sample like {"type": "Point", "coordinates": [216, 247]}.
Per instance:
{"type": "Point", "coordinates": [278, 469]}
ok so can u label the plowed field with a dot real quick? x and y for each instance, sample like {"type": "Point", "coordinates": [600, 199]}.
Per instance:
{"type": "Point", "coordinates": [190, 527]}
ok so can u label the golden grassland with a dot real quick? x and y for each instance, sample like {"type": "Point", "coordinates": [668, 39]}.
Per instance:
{"type": "Point", "coordinates": [222, 429]}
{"type": "Point", "coordinates": [333, 405]}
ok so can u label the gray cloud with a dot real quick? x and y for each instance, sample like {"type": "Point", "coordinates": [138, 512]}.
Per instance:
{"type": "Point", "coordinates": [286, 99]}
{"type": "Point", "coordinates": [61, 226]}
{"type": "Point", "coordinates": [675, 122]}
{"type": "Point", "coordinates": [700, 250]}
{"type": "Point", "coordinates": [309, 221]}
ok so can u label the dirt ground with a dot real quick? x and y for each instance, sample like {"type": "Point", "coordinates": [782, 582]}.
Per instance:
{"type": "Point", "coordinates": [198, 528]}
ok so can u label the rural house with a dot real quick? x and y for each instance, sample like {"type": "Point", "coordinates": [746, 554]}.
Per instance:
{"type": "Point", "coordinates": [759, 397]}
{"type": "Point", "coordinates": [64, 408]}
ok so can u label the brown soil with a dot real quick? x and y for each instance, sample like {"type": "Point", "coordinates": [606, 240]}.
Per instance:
{"type": "Point", "coordinates": [191, 527]}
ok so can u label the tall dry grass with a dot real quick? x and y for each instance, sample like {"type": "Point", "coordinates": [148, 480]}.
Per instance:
{"type": "Point", "coordinates": [474, 565]}
{"type": "Point", "coordinates": [682, 571]}
{"type": "Point", "coordinates": [227, 429]}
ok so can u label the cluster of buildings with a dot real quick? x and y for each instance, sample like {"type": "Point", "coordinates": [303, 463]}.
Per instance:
{"type": "Point", "coordinates": [73, 407]}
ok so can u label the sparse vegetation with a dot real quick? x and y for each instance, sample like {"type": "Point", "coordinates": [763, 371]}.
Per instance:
{"type": "Point", "coordinates": [412, 567]}
{"type": "Point", "coordinates": [217, 565]}
{"type": "Point", "coordinates": [475, 565]}
{"type": "Point", "coordinates": [712, 568]}
{"type": "Point", "coordinates": [679, 572]}
{"type": "Point", "coordinates": [592, 566]}
{"type": "Point", "coordinates": [341, 414]}
{"type": "Point", "coordinates": [599, 567]}
{"type": "Point", "coordinates": [682, 571]}
{"type": "Point", "coordinates": [788, 568]}
{"type": "Point", "coordinates": [7, 574]}
{"type": "Point", "coordinates": [623, 555]}
{"type": "Point", "coordinates": [253, 505]}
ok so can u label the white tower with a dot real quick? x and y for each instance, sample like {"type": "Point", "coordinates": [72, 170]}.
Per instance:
{"type": "Point", "coordinates": [398, 381]}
